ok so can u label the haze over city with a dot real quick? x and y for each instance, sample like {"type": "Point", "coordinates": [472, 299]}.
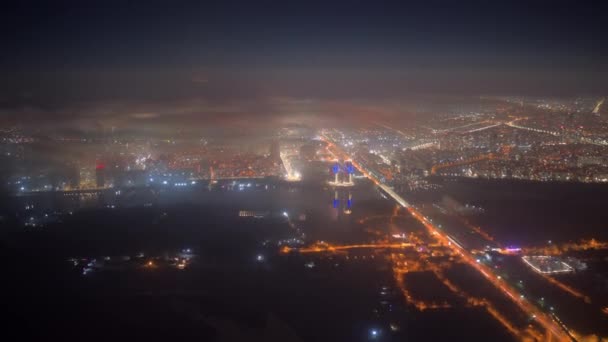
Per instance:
{"type": "Point", "coordinates": [303, 171]}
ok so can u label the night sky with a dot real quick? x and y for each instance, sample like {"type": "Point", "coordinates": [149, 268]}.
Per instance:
{"type": "Point", "coordinates": [109, 61]}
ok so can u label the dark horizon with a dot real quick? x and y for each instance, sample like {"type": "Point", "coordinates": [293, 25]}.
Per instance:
{"type": "Point", "coordinates": [67, 61]}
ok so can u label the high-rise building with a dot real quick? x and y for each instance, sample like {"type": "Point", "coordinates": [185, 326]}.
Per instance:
{"type": "Point", "coordinates": [100, 175]}
{"type": "Point", "coordinates": [74, 177]}
{"type": "Point", "coordinates": [275, 151]}
{"type": "Point", "coordinates": [493, 140]}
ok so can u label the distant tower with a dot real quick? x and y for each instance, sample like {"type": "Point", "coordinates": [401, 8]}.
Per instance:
{"type": "Point", "coordinates": [100, 175]}
{"type": "Point", "coordinates": [275, 151]}
{"type": "Point", "coordinates": [211, 173]}
{"type": "Point", "coordinates": [598, 106]}
{"type": "Point", "coordinates": [493, 141]}
{"type": "Point", "coordinates": [74, 176]}
{"type": "Point", "coordinates": [336, 170]}
{"type": "Point", "coordinates": [350, 169]}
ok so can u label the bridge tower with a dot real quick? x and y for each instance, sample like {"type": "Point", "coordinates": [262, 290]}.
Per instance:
{"type": "Point", "coordinates": [336, 170]}
{"type": "Point", "coordinates": [350, 169]}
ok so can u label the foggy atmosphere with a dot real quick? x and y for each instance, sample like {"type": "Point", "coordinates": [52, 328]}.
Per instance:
{"type": "Point", "coordinates": [304, 171]}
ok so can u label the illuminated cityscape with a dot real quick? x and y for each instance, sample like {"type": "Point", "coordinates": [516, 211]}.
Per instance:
{"type": "Point", "coordinates": [384, 172]}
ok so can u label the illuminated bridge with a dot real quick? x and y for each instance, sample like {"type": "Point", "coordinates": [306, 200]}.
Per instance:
{"type": "Point", "coordinates": [553, 327]}
{"type": "Point", "coordinates": [472, 160]}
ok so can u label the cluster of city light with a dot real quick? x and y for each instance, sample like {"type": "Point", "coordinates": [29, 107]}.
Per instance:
{"type": "Point", "coordinates": [422, 146]}
{"type": "Point", "coordinates": [557, 249]}
{"type": "Point", "coordinates": [537, 263]}
{"type": "Point", "coordinates": [182, 184]}
{"type": "Point", "coordinates": [326, 247]}
{"type": "Point", "coordinates": [291, 174]}
{"type": "Point", "coordinates": [403, 265]}
{"type": "Point", "coordinates": [557, 330]}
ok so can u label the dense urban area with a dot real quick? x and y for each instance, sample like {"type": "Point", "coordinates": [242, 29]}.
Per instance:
{"type": "Point", "coordinates": [304, 171]}
{"type": "Point", "coordinates": [382, 199]}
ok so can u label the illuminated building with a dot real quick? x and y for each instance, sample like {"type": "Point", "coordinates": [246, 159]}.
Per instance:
{"type": "Point", "coordinates": [275, 151]}
{"type": "Point", "coordinates": [74, 177]}
{"type": "Point", "coordinates": [253, 213]}
{"type": "Point", "coordinates": [547, 264]}
{"type": "Point", "coordinates": [100, 175]}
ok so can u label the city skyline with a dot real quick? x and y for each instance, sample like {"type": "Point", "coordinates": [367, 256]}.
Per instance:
{"type": "Point", "coordinates": [304, 171]}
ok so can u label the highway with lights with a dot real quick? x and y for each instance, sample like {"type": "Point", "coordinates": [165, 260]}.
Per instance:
{"type": "Point", "coordinates": [555, 329]}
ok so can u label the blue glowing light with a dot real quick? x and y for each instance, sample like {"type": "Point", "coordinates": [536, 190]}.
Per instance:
{"type": "Point", "coordinates": [350, 168]}
{"type": "Point", "coordinates": [335, 168]}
